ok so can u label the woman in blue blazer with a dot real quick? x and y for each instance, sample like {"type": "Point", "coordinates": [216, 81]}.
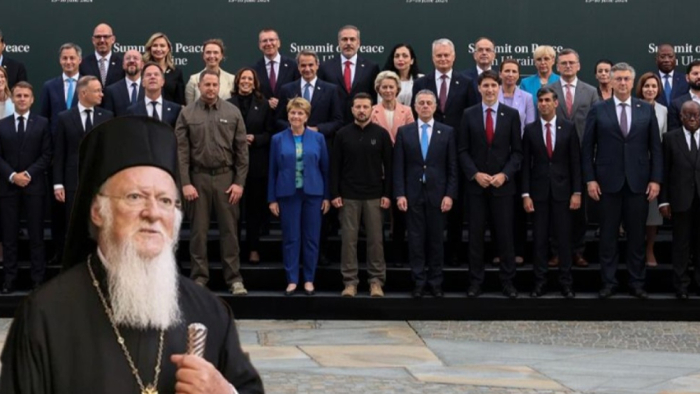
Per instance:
{"type": "Point", "coordinates": [298, 192]}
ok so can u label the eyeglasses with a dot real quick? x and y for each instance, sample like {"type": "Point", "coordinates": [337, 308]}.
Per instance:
{"type": "Point", "coordinates": [105, 37]}
{"type": "Point", "coordinates": [567, 64]}
{"type": "Point", "coordinates": [139, 201]}
{"type": "Point", "coordinates": [690, 117]}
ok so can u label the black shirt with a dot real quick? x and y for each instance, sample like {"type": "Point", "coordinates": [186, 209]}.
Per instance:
{"type": "Point", "coordinates": [361, 163]}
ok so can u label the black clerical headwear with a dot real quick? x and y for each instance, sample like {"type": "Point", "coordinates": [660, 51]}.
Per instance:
{"type": "Point", "coordinates": [115, 145]}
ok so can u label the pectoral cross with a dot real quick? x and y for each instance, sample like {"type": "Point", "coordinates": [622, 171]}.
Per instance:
{"type": "Point", "coordinates": [149, 390]}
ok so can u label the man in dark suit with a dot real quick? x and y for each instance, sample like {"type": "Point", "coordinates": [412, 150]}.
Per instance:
{"type": "Point", "coordinates": [73, 124]}
{"type": "Point", "coordinates": [673, 84]}
{"type": "Point", "coordinates": [490, 153]}
{"type": "Point", "coordinates": [126, 92]}
{"type": "Point", "coordinates": [25, 153]}
{"type": "Point", "coordinates": [103, 63]}
{"type": "Point", "coordinates": [274, 70]}
{"type": "Point", "coordinates": [576, 99]}
{"type": "Point", "coordinates": [425, 186]}
{"type": "Point", "coordinates": [484, 55]}
{"type": "Point", "coordinates": [351, 72]}
{"type": "Point", "coordinates": [679, 199]}
{"type": "Point", "coordinates": [692, 77]}
{"type": "Point", "coordinates": [16, 71]}
{"type": "Point", "coordinates": [623, 168]}
{"type": "Point", "coordinates": [166, 111]}
{"type": "Point", "coordinates": [455, 93]}
{"type": "Point", "coordinates": [551, 187]}
{"type": "Point", "coordinates": [58, 94]}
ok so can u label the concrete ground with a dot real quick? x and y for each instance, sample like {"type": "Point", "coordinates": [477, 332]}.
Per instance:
{"type": "Point", "coordinates": [445, 357]}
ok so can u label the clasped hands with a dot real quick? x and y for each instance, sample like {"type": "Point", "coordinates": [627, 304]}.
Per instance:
{"type": "Point", "coordinates": [485, 180]}
{"type": "Point", "coordinates": [21, 179]}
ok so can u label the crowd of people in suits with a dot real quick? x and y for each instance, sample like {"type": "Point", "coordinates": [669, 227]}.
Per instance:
{"type": "Point", "coordinates": [344, 144]}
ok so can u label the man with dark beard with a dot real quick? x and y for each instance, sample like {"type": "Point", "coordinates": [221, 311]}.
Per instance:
{"type": "Point", "coordinates": [116, 320]}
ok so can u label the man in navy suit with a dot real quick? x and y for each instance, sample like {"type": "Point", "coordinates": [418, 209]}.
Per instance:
{"type": "Point", "coordinates": [274, 70]}
{"type": "Point", "coordinates": [126, 92]}
{"type": "Point", "coordinates": [551, 187]}
{"type": "Point", "coordinates": [623, 169]}
{"type": "Point", "coordinates": [484, 55]}
{"type": "Point", "coordinates": [25, 153]}
{"type": "Point", "coordinates": [692, 77]}
{"type": "Point", "coordinates": [425, 186]}
{"type": "Point", "coordinates": [673, 83]}
{"type": "Point", "coordinates": [166, 111]}
{"type": "Point", "coordinates": [455, 93]}
{"type": "Point", "coordinates": [103, 63]}
{"type": "Point", "coordinates": [16, 71]}
{"type": "Point", "coordinates": [73, 124]}
{"type": "Point", "coordinates": [490, 154]}
{"type": "Point", "coordinates": [58, 94]}
{"type": "Point", "coordinates": [351, 72]}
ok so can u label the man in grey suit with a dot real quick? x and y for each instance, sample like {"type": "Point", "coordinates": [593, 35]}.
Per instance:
{"type": "Point", "coordinates": [576, 98]}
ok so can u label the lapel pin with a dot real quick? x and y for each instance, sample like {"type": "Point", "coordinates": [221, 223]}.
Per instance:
{"type": "Point", "coordinates": [318, 88]}
{"type": "Point", "coordinates": [438, 131]}
{"type": "Point", "coordinates": [558, 127]}
{"type": "Point", "coordinates": [168, 108]}
{"type": "Point", "coordinates": [362, 65]}
{"type": "Point", "coordinates": [502, 114]}
{"type": "Point", "coordinates": [114, 64]}
{"type": "Point", "coordinates": [638, 105]}
{"type": "Point", "coordinates": [255, 108]}
{"type": "Point", "coordinates": [456, 82]}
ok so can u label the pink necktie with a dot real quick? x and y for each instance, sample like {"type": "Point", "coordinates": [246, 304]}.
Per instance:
{"type": "Point", "coordinates": [569, 100]}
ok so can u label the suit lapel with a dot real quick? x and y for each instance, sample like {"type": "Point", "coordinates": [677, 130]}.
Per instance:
{"type": "Point", "coordinates": [284, 71]}
{"type": "Point", "coordinates": [316, 96]}
{"type": "Point", "coordinates": [78, 123]}
{"type": "Point", "coordinates": [682, 145]}
{"type": "Point", "coordinates": [434, 139]}
{"type": "Point", "coordinates": [612, 114]}
{"type": "Point", "coordinates": [559, 143]}
{"type": "Point", "coordinates": [636, 109]}
{"type": "Point", "coordinates": [455, 88]}
{"type": "Point", "coordinates": [414, 140]}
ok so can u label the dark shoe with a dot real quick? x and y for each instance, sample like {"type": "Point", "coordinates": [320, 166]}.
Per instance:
{"type": "Point", "coordinates": [639, 293]}
{"type": "Point", "coordinates": [568, 292]}
{"type": "Point", "coordinates": [417, 292]}
{"type": "Point", "coordinates": [323, 260]}
{"type": "Point", "coordinates": [309, 290]}
{"type": "Point", "coordinates": [474, 291]}
{"type": "Point", "coordinates": [537, 292]}
{"type": "Point", "coordinates": [510, 291]}
{"type": "Point", "coordinates": [606, 292]}
{"type": "Point", "coordinates": [682, 295]}
{"type": "Point", "coordinates": [437, 292]}
{"type": "Point", "coordinates": [553, 262]}
{"type": "Point", "coordinates": [453, 261]}
{"type": "Point", "coordinates": [579, 261]}
{"type": "Point", "coordinates": [398, 264]}
{"type": "Point", "coordinates": [290, 292]}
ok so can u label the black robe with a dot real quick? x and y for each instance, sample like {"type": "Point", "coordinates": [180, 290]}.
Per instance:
{"type": "Point", "coordinates": [61, 342]}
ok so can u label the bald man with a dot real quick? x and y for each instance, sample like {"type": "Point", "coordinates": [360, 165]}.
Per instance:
{"type": "Point", "coordinates": [103, 63]}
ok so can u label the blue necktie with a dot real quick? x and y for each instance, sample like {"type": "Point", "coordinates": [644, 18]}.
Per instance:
{"type": "Point", "coordinates": [424, 142]}
{"type": "Point", "coordinates": [133, 93]}
{"type": "Point", "coordinates": [307, 92]}
{"type": "Point", "coordinates": [667, 89]}
{"type": "Point", "coordinates": [71, 91]}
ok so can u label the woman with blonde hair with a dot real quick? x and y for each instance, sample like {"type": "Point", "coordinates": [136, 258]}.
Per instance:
{"type": "Point", "coordinates": [159, 50]}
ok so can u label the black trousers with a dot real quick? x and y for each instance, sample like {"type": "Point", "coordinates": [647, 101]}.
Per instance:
{"type": "Point", "coordinates": [686, 243]}
{"type": "Point", "coordinates": [498, 210]}
{"type": "Point", "coordinates": [579, 225]}
{"type": "Point", "coordinates": [631, 209]}
{"type": "Point", "coordinates": [455, 223]}
{"type": "Point", "coordinates": [255, 210]}
{"type": "Point", "coordinates": [551, 219]}
{"type": "Point", "coordinates": [426, 224]}
{"type": "Point", "coordinates": [33, 208]}
{"type": "Point", "coordinates": [398, 233]}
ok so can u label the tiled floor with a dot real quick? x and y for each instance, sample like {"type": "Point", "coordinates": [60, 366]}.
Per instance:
{"type": "Point", "coordinates": [472, 357]}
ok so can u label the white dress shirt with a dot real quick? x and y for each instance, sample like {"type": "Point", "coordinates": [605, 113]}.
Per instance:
{"type": "Point", "coordinates": [553, 128]}
{"type": "Point", "coordinates": [430, 124]}
{"type": "Point", "coordinates": [628, 109]}
{"type": "Point", "coordinates": [128, 86]}
{"type": "Point", "coordinates": [353, 67]}
{"type": "Point", "coordinates": [75, 77]}
{"type": "Point", "coordinates": [159, 107]}
{"type": "Point", "coordinates": [83, 114]}
{"type": "Point", "coordinates": [438, 83]}
{"type": "Point", "coordinates": [311, 89]}
{"type": "Point", "coordinates": [663, 80]}
{"type": "Point", "coordinates": [572, 88]}
{"type": "Point", "coordinates": [494, 107]}
{"type": "Point", "coordinates": [277, 60]}
{"type": "Point", "coordinates": [688, 136]}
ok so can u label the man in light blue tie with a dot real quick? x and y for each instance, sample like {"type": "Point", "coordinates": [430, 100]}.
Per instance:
{"type": "Point", "coordinates": [425, 185]}
{"type": "Point", "coordinates": [58, 94]}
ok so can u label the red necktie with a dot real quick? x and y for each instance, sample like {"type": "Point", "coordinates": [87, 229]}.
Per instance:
{"type": "Point", "coordinates": [569, 100]}
{"type": "Point", "coordinates": [273, 76]}
{"type": "Point", "coordinates": [489, 126]}
{"type": "Point", "coordinates": [549, 140]}
{"type": "Point", "coordinates": [347, 75]}
{"type": "Point", "coordinates": [443, 93]}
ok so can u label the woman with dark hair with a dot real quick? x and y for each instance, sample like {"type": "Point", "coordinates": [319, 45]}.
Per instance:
{"type": "Point", "coordinates": [258, 120]}
{"type": "Point", "coordinates": [648, 89]}
{"type": "Point", "coordinates": [160, 50]}
{"type": "Point", "coordinates": [402, 60]}
{"type": "Point", "coordinates": [602, 74]}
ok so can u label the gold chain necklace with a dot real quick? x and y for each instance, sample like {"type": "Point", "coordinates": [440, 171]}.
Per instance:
{"type": "Point", "coordinates": [151, 388]}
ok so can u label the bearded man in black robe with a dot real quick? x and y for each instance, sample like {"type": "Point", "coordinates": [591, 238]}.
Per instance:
{"type": "Point", "coordinates": [116, 320]}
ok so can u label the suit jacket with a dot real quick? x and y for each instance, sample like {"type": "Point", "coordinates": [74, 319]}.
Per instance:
{"type": "Point", "coordinates": [258, 122]}
{"type": "Point", "coordinates": [174, 87]}
{"type": "Point", "coordinates": [585, 96]}
{"type": "Point", "coordinates": [559, 177]}
{"type": "Point", "coordinates": [288, 72]}
{"type": "Point", "coordinates": [402, 117]}
{"type": "Point", "coordinates": [461, 96]}
{"type": "Point", "coordinates": [117, 98]}
{"type": "Point", "coordinates": [674, 111]}
{"type": "Point", "coordinates": [681, 172]}
{"type": "Point", "coordinates": [69, 133]}
{"type": "Point", "coordinates": [365, 73]}
{"type": "Point", "coordinates": [473, 74]}
{"type": "Point", "coordinates": [169, 115]}
{"type": "Point", "coordinates": [53, 100]}
{"type": "Point", "coordinates": [16, 71]}
{"type": "Point", "coordinates": [504, 155]}
{"type": "Point", "coordinates": [226, 82]}
{"type": "Point", "coordinates": [679, 86]}
{"type": "Point", "coordinates": [32, 155]}
{"type": "Point", "coordinates": [522, 101]}
{"type": "Point", "coordinates": [439, 165]}
{"type": "Point", "coordinates": [326, 107]}
{"type": "Point", "coordinates": [611, 159]}
{"type": "Point", "coordinates": [281, 181]}
{"type": "Point", "coordinates": [115, 70]}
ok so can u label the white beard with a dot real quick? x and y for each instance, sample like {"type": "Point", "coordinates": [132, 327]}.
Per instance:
{"type": "Point", "coordinates": [143, 292]}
